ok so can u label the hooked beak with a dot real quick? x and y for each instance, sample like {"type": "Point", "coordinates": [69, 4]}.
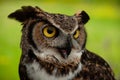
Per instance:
{"type": "Point", "coordinates": [65, 51]}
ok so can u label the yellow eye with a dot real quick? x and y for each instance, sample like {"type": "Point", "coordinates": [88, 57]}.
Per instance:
{"type": "Point", "coordinates": [49, 31]}
{"type": "Point", "coordinates": [76, 34]}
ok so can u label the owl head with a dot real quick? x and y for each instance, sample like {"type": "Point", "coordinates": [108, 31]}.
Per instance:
{"type": "Point", "coordinates": [46, 34]}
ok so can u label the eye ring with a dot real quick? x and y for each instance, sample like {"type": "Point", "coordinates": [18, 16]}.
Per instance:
{"type": "Point", "coordinates": [76, 34]}
{"type": "Point", "coordinates": [49, 31]}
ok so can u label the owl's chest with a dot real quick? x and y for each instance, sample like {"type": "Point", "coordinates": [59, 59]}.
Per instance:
{"type": "Point", "coordinates": [36, 72]}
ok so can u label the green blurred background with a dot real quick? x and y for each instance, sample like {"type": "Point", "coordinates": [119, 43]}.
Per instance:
{"type": "Point", "coordinates": [103, 30]}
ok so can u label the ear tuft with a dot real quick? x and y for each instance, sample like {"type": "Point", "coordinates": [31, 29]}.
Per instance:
{"type": "Point", "coordinates": [23, 14]}
{"type": "Point", "coordinates": [82, 17]}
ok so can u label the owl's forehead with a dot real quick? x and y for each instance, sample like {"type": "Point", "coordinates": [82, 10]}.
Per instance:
{"type": "Point", "coordinates": [66, 23]}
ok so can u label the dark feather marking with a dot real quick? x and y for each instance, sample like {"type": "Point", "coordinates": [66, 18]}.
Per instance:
{"type": "Point", "coordinates": [22, 68]}
{"type": "Point", "coordinates": [62, 69]}
{"type": "Point", "coordinates": [84, 44]}
{"type": "Point", "coordinates": [23, 73]}
{"type": "Point", "coordinates": [31, 55]}
{"type": "Point", "coordinates": [24, 14]}
{"type": "Point", "coordinates": [94, 68]}
{"type": "Point", "coordinates": [30, 39]}
{"type": "Point", "coordinates": [84, 17]}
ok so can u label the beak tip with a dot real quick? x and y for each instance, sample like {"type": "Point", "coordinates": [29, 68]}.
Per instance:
{"type": "Point", "coordinates": [64, 52]}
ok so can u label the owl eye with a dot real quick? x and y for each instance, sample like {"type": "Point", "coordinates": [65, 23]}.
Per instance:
{"type": "Point", "coordinates": [76, 34]}
{"type": "Point", "coordinates": [49, 31]}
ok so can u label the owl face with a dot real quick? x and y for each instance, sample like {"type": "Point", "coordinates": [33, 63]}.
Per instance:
{"type": "Point", "coordinates": [55, 35]}
{"type": "Point", "coordinates": [49, 37]}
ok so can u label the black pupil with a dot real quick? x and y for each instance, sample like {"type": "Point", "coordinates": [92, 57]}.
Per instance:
{"type": "Point", "coordinates": [75, 33]}
{"type": "Point", "coordinates": [50, 30]}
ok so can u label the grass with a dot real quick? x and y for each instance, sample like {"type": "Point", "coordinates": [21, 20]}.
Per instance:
{"type": "Point", "coordinates": [103, 32]}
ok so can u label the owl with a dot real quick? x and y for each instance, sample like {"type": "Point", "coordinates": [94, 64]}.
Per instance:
{"type": "Point", "coordinates": [53, 47]}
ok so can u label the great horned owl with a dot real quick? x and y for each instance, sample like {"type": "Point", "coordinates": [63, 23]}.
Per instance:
{"type": "Point", "coordinates": [53, 47]}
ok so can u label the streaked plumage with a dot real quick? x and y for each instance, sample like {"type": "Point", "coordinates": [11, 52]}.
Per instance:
{"type": "Point", "coordinates": [53, 47]}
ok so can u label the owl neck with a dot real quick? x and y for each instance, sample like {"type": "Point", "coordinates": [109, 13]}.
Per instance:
{"type": "Point", "coordinates": [54, 66]}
